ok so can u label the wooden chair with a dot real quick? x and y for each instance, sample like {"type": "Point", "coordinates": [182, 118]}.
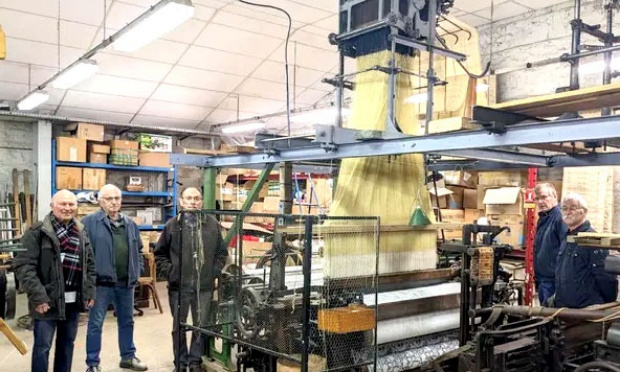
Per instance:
{"type": "Point", "coordinates": [149, 281]}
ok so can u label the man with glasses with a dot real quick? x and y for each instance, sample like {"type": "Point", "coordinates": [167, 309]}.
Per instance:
{"type": "Point", "coordinates": [580, 278]}
{"type": "Point", "coordinates": [550, 231]}
{"type": "Point", "coordinates": [117, 246]}
{"type": "Point", "coordinates": [196, 239]}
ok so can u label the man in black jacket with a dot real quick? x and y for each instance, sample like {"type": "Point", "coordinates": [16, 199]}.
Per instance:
{"type": "Point", "coordinates": [204, 255]}
{"type": "Point", "coordinates": [58, 274]}
{"type": "Point", "coordinates": [550, 231]}
{"type": "Point", "coordinates": [580, 278]}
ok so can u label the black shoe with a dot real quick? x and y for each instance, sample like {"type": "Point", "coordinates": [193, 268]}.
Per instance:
{"type": "Point", "coordinates": [133, 364]}
{"type": "Point", "coordinates": [93, 369]}
{"type": "Point", "coordinates": [196, 368]}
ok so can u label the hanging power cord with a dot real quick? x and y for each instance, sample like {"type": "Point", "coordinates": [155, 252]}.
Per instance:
{"type": "Point", "coordinates": [199, 259]}
{"type": "Point", "coordinates": [288, 35]}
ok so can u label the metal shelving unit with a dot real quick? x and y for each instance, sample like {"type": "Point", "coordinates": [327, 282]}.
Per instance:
{"type": "Point", "coordinates": [171, 210]}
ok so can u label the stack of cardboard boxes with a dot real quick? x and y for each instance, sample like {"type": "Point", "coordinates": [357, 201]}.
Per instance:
{"type": "Point", "coordinates": [74, 150]}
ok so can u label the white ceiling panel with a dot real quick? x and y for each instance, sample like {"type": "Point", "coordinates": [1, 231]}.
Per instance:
{"type": "Point", "coordinates": [250, 24]}
{"type": "Point", "coordinates": [472, 19]}
{"type": "Point", "coordinates": [77, 35]}
{"type": "Point", "coordinates": [174, 110]}
{"type": "Point", "coordinates": [204, 13]}
{"type": "Point", "coordinates": [217, 4]}
{"type": "Point", "coordinates": [298, 76]}
{"type": "Point", "coordinates": [538, 4]}
{"type": "Point", "coordinates": [13, 91]}
{"type": "Point", "coordinates": [140, 3]}
{"type": "Point", "coordinates": [20, 25]}
{"type": "Point", "coordinates": [56, 96]}
{"type": "Point", "coordinates": [114, 85]}
{"type": "Point", "coordinates": [158, 51]}
{"type": "Point", "coordinates": [13, 73]}
{"type": "Point", "coordinates": [237, 41]}
{"type": "Point", "coordinates": [190, 96]}
{"type": "Point", "coordinates": [102, 102]}
{"type": "Point", "coordinates": [223, 116]}
{"type": "Point", "coordinates": [298, 11]}
{"type": "Point", "coordinates": [47, 8]}
{"type": "Point", "coordinates": [502, 11]}
{"type": "Point", "coordinates": [89, 12]}
{"type": "Point", "coordinates": [216, 60]}
{"type": "Point", "coordinates": [157, 121]}
{"type": "Point", "coordinates": [202, 79]}
{"type": "Point", "coordinates": [262, 88]}
{"type": "Point", "coordinates": [94, 114]}
{"type": "Point", "coordinates": [253, 105]}
{"type": "Point", "coordinates": [304, 36]}
{"type": "Point", "coordinates": [120, 14]}
{"type": "Point", "coordinates": [132, 68]}
{"type": "Point", "coordinates": [310, 57]}
{"type": "Point", "coordinates": [312, 96]}
{"type": "Point", "coordinates": [330, 23]}
{"type": "Point", "coordinates": [187, 32]}
{"type": "Point", "coordinates": [31, 52]}
{"type": "Point", "coordinates": [260, 14]}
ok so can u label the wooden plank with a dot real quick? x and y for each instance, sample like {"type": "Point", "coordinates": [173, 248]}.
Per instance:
{"type": "Point", "coordinates": [8, 332]}
{"type": "Point", "coordinates": [238, 149]}
{"type": "Point", "coordinates": [368, 229]}
{"type": "Point", "coordinates": [451, 125]}
{"type": "Point", "coordinates": [558, 103]}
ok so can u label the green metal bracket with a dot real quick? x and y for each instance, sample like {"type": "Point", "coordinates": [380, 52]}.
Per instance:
{"type": "Point", "coordinates": [252, 196]}
{"type": "Point", "coordinates": [208, 190]}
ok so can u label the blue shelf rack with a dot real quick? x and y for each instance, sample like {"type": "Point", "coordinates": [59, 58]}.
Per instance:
{"type": "Point", "coordinates": [171, 211]}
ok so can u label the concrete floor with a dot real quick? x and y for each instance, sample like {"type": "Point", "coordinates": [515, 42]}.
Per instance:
{"type": "Point", "coordinates": [151, 336]}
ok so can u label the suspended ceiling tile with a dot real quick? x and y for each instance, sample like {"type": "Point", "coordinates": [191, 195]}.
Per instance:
{"type": "Point", "coordinates": [21, 25]}
{"type": "Point", "coordinates": [186, 32]}
{"type": "Point", "coordinates": [473, 20]}
{"type": "Point", "coordinates": [13, 91]}
{"type": "Point", "coordinates": [103, 102]}
{"type": "Point", "coordinates": [140, 3]}
{"type": "Point", "coordinates": [204, 13]}
{"type": "Point", "coordinates": [38, 75]}
{"type": "Point", "coordinates": [47, 8]}
{"type": "Point", "coordinates": [253, 105]}
{"type": "Point", "coordinates": [117, 86]}
{"type": "Point", "coordinates": [191, 77]}
{"type": "Point", "coordinates": [13, 73]}
{"type": "Point", "coordinates": [120, 14]}
{"type": "Point", "coordinates": [325, 5]}
{"type": "Point", "coordinates": [174, 110]}
{"type": "Point", "coordinates": [305, 36]}
{"type": "Point", "coordinates": [298, 76]}
{"type": "Point", "coordinates": [313, 96]}
{"type": "Point", "coordinates": [56, 95]}
{"type": "Point", "coordinates": [298, 11]}
{"type": "Point", "coordinates": [157, 51]}
{"type": "Point", "coordinates": [94, 114]}
{"type": "Point", "coordinates": [237, 41]}
{"type": "Point", "coordinates": [190, 96]}
{"type": "Point", "coordinates": [217, 4]}
{"type": "Point", "coordinates": [77, 35]}
{"type": "Point", "coordinates": [158, 121]}
{"type": "Point", "coordinates": [89, 12]}
{"type": "Point", "coordinates": [262, 88]}
{"type": "Point", "coordinates": [31, 52]}
{"type": "Point", "coordinates": [219, 116]}
{"type": "Point", "coordinates": [117, 65]}
{"type": "Point", "coordinates": [310, 57]}
{"type": "Point", "coordinates": [538, 4]}
{"type": "Point", "coordinates": [250, 24]}
{"type": "Point", "coordinates": [216, 60]}
{"type": "Point", "coordinates": [260, 14]}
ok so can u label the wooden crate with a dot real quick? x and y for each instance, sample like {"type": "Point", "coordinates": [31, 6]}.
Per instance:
{"type": "Point", "coordinates": [353, 318]}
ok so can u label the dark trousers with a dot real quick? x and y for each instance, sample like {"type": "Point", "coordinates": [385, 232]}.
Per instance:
{"type": "Point", "coordinates": [179, 315]}
{"type": "Point", "coordinates": [65, 330]}
{"type": "Point", "coordinates": [546, 289]}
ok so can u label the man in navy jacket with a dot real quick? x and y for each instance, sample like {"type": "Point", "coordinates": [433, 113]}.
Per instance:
{"type": "Point", "coordinates": [117, 246]}
{"type": "Point", "coordinates": [580, 278]}
{"type": "Point", "coordinates": [550, 231]}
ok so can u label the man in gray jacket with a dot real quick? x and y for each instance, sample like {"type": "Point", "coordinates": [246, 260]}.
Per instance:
{"type": "Point", "coordinates": [57, 272]}
{"type": "Point", "coordinates": [118, 261]}
{"type": "Point", "coordinates": [196, 239]}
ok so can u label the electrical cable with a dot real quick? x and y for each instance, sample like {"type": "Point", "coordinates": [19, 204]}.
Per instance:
{"type": "Point", "coordinates": [286, 42]}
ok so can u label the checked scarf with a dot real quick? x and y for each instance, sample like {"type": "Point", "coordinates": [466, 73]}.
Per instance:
{"type": "Point", "coordinates": [69, 238]}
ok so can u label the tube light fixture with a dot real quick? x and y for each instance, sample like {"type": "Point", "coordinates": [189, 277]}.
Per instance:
{"type": "Point", "coordinates": [162, 18]}
{"type": "Point", "coordinates": [320, 116]}
{"type": "Point", "coordinates": [244, 127]}
{"type": "Point", "coordinates": [32, 100]}
{"type": "Point", "coordinates": [598, 67]}
{"type": "Point", "coordinates": [78, 72]}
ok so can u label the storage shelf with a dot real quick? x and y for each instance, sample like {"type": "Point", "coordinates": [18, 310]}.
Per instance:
{"type": "Point", "coordinates": [150, 227]}
{"type": "Point", "coordinates": [114, 167]}
{"type": "Point", "coordinates": [136, 193]}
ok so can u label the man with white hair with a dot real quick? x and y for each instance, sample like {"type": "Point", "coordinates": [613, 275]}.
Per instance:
{"type": "Point", "coordinates": [57, 272]}
{"type": "Point", "coordinates": [580, 278]}
{"type": "Point", "coordinates": [118, 261]}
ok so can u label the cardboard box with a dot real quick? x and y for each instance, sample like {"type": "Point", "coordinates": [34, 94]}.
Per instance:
{"type": "Point", "coordinates": [323, 191]}
{"type": "Point", "coordinates": [146, 241]}
{"type": "Point", "coordinates": [123, 144]}
{"type": "Point", "coordinates": [154, 159]}
{"type": "Point", "coordinates": [98, 148]}
{"type": "Point", "coordinates": [68, 178]}
{"type": "Point", "coordinates": [225, 192]}
{"type": "Point", "coordinates": [516, 236]}
{"type": "Point", "coordinates": [93, 179]}
{"type": "Point", "coordinates": [504, 200]}
{"type": "Point", "coordinates": [254, 250]}
{"type": "Point", "coordinates": [145, 216]}
{"type": "Point", "coordinates": [271, 204]}
{"type": "Point", "coordinates": [154, 142]}
{"type": "Point", "coordinates": [250, 184]}
{"type": "Point", "coordinates": [91, 132]}
{"type": "Point", "coordinates": [97, 158]}
{"type": "Point", "coordinates": [120, 156]}
{"type": "Point", "coordinates": [455, 200]}
{"type": "Point", "coordinates": [470, 198]}
{"type": "Point", "coordinates": [71, 149]}
{"type": "Point", "coordinates": [471, 215]}
{"type": "Point", "coordinates": [451, 216]}
{"type": "Point", "coordinates": [441, 198]}
{"type": "Point", "coordinates": [232, 205]}
{"type": "Point", "coordinates": [86, 208]}
{"type": "Point", "coordinates": [503, 178]}
{"type": "Point", "coordinates": [465, 178]}
{"type": "Point", "coordinates": [156, 212]}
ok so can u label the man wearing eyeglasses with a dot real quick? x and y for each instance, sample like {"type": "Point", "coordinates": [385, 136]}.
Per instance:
{"type": "Point", "coordinates": [581, 279]}
{"type": "Point", "coordinates": [550, 231]}
{"type": "Point", "coordinates": [117, 246]}
{"type": "Point", "coordinates": [196, 239]}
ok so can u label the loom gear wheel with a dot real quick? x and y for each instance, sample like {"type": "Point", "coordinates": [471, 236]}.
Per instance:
{"type": "Point", "coordinates": [8, 295]}
{"type": "Point", "coordinates": [251, 319]}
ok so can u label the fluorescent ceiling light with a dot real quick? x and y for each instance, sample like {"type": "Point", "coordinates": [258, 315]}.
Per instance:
{"type": "Point", "coordinates": [245, 127]}
{"type": "Point", "coordinates": [80, 71]}
{"type": "Point", "coordinates": [32, 100]}
{"type": "Point", "coordinates": [320, 116]}
{"type": "Point", "coordinates": [154, 23]}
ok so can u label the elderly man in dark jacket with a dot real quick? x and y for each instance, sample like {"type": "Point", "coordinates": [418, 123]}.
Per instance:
{"type": "Point", "coordinates": [550, 231]}
{"type": "Point", "coordinates": [58, 274]}
{"type": "Point", "coordinates": [580, 278]}
{"type": "Point", "coordinates": [118, 261]}
{"type": "Point", "coordinates": [197, 240]}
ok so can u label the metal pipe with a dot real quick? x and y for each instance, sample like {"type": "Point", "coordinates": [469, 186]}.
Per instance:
{"type": "Point", "coordinates": [430, 73]}
{"type": "Point", "coordinates": [391, 117]}
{"type": "Point", "coordinates": [340, 90]}
{"type": "Point", "coordinates": [307, 270]}
{"type": "Point", "coordinates": [608, 55]}
{"type": "Point", "coordinates": [565, 313]}
{"type": "Point", "coordinates": [590, 53]}
{"type": "Point", "coordinates": [286, 188]}
{"type": "Point", "coordinates": [576, 41]}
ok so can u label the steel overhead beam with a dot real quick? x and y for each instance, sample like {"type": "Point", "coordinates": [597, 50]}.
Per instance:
{"type": "Point", "coordinates": [585, 160]}
{"type": "Point", "coordinates": [498, 156]}
{"type": "Point", "coordinates": [517, 135]}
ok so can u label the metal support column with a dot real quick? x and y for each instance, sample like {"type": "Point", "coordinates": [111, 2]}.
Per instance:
{"type": "Point", "coordinates": [307, 270]}
{"type": "Point", "coordinates": [208, 188]}
{"type": "Point", "coordinates": [530, 234]}
{"type": "Point", "coordinates": [575, 46]}
{"type": "Point", "coordinates": [430, 73]}
{"type": "Point", "coordinates": [43, 169]}
{"type": "Point", "coordinates": [286, 188]}
{"type": "Point", "coordinates": [609, 42]}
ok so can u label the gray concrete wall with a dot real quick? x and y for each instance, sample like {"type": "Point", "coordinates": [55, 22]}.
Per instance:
{"type": "Point", "coordinates": [535, 36]}
{"type": "Point", "coordinates": [17, 140]}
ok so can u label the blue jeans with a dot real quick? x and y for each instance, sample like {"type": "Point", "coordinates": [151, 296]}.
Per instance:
{"type": "Point", "coordinates": [122, 298]}
{"type": "Point", "coordinates": [43, 335]}
{"type": "Point", "coordinates": [546, 289]}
